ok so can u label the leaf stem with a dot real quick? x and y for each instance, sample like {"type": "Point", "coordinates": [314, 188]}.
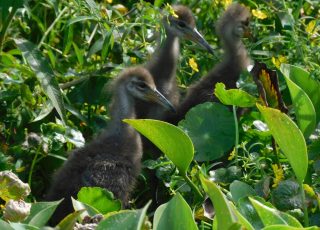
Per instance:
{"type": "Point", "coordinates": [193, 187]}
{"type": "Point", "coordinates": [6, 26]}
{"type": "Point", "coordinates": [305, 209]}
{"type": "Point", "coordinates": [236, 124]}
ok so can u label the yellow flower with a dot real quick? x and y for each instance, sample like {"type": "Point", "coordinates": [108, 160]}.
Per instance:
{"type": "Point", "coordinates": [309, 190]}
{"type": "Point", "coordinates": [133, 60]}
{"type": "Point", "coordinates": [259, 14]}
{"type": "Point", "coordinates": [278, 60]}
{"type": "Point", "coordinates": [121, 8]}
{"type": "Point", "coordinates": [232, 154]}
{"type": "Point", "coordinates": [278, 172]}
{"type": "Point", "coordinates": [109, 1]}
{"type": "Point", "coordinates": [311, 26]}
{"type": "Point", "coordinates": [171, 10]}
{"type": "Point", "coordinates": [225, 3]}
{"type": "Point", "coordinates": [193, 64]}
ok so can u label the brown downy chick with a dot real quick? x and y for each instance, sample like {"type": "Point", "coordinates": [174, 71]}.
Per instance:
{"type": "Point", "coordinates": [230, 28]}
{"type": "Point", "coordinates": [112, 160]}
{"type": "Point", "coordinates": [163, 64]}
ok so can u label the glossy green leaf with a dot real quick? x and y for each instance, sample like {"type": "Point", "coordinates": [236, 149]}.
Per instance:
{"type": "Point", "coordinates": [241, 219]}
{"type": "Point", "coordinates": [282, 227]}
{"type": "Point", "coordinates": [303, 106]}
{"type": "Point", "coordinates": [170, 139]}
{"type": "Point", "coordinates": [69, 221]}
{"type": "Point", "coordinates": [246, 208]}
{"type": "Point", "coordinates": [240, 189]}
{"type": "Point", "coordinates": [41, 212]}
{"type": "Point", "coordinates": [99, 198]}
{"type": "Point", "coordinates": [44, 73]}
{"type": "Point", "coordinates": [176, 214]}
{"type": "Point", "coordinates": [289, 138]}
{"type": "Point", "coordinates": [211, 128]}
{"type": "Point", "coordinates": [125, 220]}
{"type": "Point", "coordinates": [310, 86]}
{"type": "Point", "coordinates": [225, 216]}
{"type": "Point", "coordinates": [272, 216]}
{"type": "Point", "coordinates": [235, 97]}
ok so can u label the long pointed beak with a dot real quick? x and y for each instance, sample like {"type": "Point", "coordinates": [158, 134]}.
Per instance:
{"type": "Point", "coordinates": [155, 96]}
{"type": "Point", "coordinates": [195, 36]}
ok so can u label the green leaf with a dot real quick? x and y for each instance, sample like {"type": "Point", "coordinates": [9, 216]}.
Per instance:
{"type": "Point", "coordinates": [19, 226]}
{"type": "Point", "coordinates": [310, 86]}
{"type": "Point", "coordinates": [240, 189]}
{"type": "Point", "coordinates": [79, 19]}
{"type": "Point", "coordinates": [289, 138]}
{"type": "Point", "coordinates": [170, 139]}
{"type": "Point", "coordinates": [282, 227]}
{"type": "Point", "coordinates": [211, 128]}
{"type": "Point", "coordinates": [41, 212]}
{"type": "Point", "coordinates": [99, 198]}
{"type": "Point", "coordinates": [304, 109]}
{"type": "Point", "coordinates": [235, 97]}
{"type": "Point", "coordinates": [247, 210]}
{"type": "Point", "coordinates": [271, 216]}
{"type": "Point", "coordinates": [69, 221]}
{"type": "Point", "coordinates": [225, 216]}
{"type": "Point", "coordinates": [5, 226]}
{"type": "Point", "coordinates": [125, 220]}
{"type": "Point", "coordinates": [44, 73]}
{"type": "Point", "coordinates": [176, 214]}
{"type": "Point", "coordinates": [241, 219]}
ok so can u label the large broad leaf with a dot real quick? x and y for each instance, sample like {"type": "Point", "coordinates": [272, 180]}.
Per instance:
{"type": "Point", "coordinates": [170, 139]}
{"type": "Point", "coordinates": [271, 216]}
{"type": "Point", "coordinates": [176, 214]}
{"type": "Point", "coordinates": [225, 217]}
{"type": "Point", "coordinates": [303, 106]}
{"type": "Point", "coordinates": [19, 226]}
{"type": "Point", "coordinates": [125, 220]}
{"type": "Point", "coordinates": [44, 73]}
{"type": "Point", "coordinates": [41, 212]}
{"type": "Point", "coordinates": [212, 130]}
{"type": "Point", "coordinates": [240, 189]}
{"type": "Point", "coordinates": [89, 210]}
{"type": "Point", "coordinates": [245, 224]}
{"type": "Point", "coordinates": [289, 138]}
{"type": "Point", "coordinates": [310, 86]}
{"type": "Point", "coordinates": [99, 198]}
{"type": "Point", "coordinates": [235, 97]}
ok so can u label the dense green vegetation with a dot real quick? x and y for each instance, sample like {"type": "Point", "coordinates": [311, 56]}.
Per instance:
{"type": "Point", "coordinates": [56, 61]}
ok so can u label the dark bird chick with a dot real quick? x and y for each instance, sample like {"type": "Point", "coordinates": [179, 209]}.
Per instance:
{"type": "Point", "coordinates": [163, 64]}
{"type": "Point", "coordinates": [112, 160]}
{"type": "Point", "coordinates": [230, 28]}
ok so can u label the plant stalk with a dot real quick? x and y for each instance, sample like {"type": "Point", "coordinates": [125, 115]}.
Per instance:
{"type": "Point", "coordinates": [236, 124]}
{"type": "Point", "coordinates": [305, 209]}
{"type": "Point", "coordinates": [6, 26]}
{"type": "Point", "coordinates": [193, 187]}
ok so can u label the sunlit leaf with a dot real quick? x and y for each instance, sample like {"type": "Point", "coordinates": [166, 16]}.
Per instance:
{"type": "Point", "coordinates": [303, 79]}
{"type": "Point", "coordinates": [225, 216]}
{"type": "Point", "coordinates": [271, 216]}
{"type": "Point", "coordinates": [289, 138]}
{"type": "Point", "coordinates": [11, 187]}
{"type": "Point", "coordinates": [174, 215]}
{"type": "Point", "coordinates": [235, 97]}
{"type": "Point", "coordinates": [99, 198]}
{"type": "Point", "coordinates": [125, 220]}
{"type": "Point", "coordinates": [69, 221]}
{"type": "Point", "coordinates": [170, 139]}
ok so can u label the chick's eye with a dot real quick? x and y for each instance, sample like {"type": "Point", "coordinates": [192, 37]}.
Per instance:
{"type": "Point", "coordinates": [181, 24]}
{"type": "Point", "coordinates": [142, 85]}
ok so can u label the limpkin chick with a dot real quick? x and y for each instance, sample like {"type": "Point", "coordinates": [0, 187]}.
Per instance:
{"type": "Point", "coordinates": [163, 64]}
{"type": "Point", "coordinates": [230, 28]}
{"type": "Point", "coordinates": [112, 160]}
